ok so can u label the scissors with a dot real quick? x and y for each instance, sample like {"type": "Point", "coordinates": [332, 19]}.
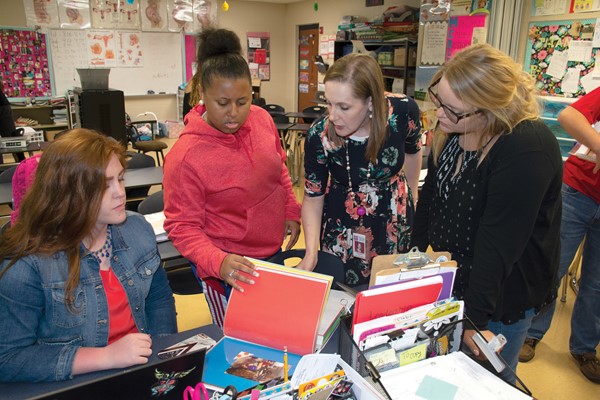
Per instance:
{"type": "Point", "coordinates": [196, 393]}
{"type": "Point", "coordinates": [230, 392]}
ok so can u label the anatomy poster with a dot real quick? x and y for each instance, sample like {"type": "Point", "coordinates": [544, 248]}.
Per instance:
{"type": "Point", "coordinates": [191, 16]}
{"type": "Point", "coordinates": [115, 14]}
{"type": "Point", "coordinates": [74, 14]}
{"type": "Point", "coordinates": [42, 13]}
{"type": "Point", "coordinates": [154, 15]}
{"type": "Point", "coordinates": [129, 49]}
{"type": "Point", "coordinates": [101, 48]}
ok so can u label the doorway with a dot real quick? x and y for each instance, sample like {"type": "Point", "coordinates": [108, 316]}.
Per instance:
{"type": "Point", "coordinates": [308, 48]}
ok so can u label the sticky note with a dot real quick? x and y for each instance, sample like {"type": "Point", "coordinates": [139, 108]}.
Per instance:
{"type": "Point", "coordinates": [435, 389]}
{"type": "Point", "coordinates": [412, 355]}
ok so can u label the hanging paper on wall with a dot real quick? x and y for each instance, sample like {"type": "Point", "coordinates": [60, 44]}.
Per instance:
{"type": "Point", "coordinates": [260, 56]}
{"type": "Point", "coordinates": [41, 13]}
{"type": "Point", "coordinates": [101, 48]}
{"type": "Point", "coordinates": [154, 15]}
{"type": "Point", "coordinates": [74, 14]}
{"type": "Point", "coordinates": [434, 43]}
{"type": "Point", "coordinates": [460, 32]}
{"type": "Point", "coordinates": [129, 45]}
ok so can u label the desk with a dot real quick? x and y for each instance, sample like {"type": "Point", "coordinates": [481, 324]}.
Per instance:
{"type": "Point", "coordinates": [141, 177]}
{"type": "Point", "coordinates": [296, 153]}
{"type": "Point", "coordinates": [297, 115]}
{"type": "Point", "coordinates": [133, 178]}
{"type": "Point", "coordinates": [5, 193]}
{"type": "Point", "coordinates": [24, 390]}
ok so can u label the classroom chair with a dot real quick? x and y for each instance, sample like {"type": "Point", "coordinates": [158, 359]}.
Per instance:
{"type": "Point", "coordinates": [135, 195]}
{"type": "Point", "coordinates": [327, 263]}
{"type": "Point", "coordinates": [179, 273]}
{"type": "Point", "coordinates": [146, 143]}
{"type": "Point", "coordinates": [313, 109]}
{"type": "Point", "coordinates": [274, 109]}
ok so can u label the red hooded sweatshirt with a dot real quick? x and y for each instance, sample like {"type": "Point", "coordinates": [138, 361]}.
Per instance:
{"type": "Point", "coordinates": [227, 193]}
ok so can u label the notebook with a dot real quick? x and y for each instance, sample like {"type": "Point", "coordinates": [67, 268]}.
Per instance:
{"type": "Point", "coordinates": [166, 379]}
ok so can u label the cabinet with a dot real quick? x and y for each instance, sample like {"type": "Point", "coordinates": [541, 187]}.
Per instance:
{"type": "Point", "coordinates": [397, 59]}
{"type": "Point", "coordinates": [50, 117]}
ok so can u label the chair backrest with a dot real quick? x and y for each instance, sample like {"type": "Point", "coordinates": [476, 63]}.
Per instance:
{"type": "Point", "coordinates": [152, 204]}
{"type": "Point", "coordinates": [314, 109]}
{"type": "Point", "coordinates": [140, 160]}
{"type": "Point", "coordinates": [327, 263]}
{"type": "Point", "coordinates": [7, 175]}
{"type": "Point", "coordinates": [280, 118]}
{"type": "Point", "coordinates": [274, 109]}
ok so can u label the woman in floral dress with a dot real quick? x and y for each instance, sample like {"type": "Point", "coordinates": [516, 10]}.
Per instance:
{"type": "Point", "coordinates": [362, 164]}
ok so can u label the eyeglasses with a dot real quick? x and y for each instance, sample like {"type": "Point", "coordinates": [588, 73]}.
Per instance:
{"type": "Point", "coordinates": [452, 115]}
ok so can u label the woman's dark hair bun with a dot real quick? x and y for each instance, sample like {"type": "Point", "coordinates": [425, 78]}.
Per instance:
{"type": "Point", "coordinates": [214, 42]}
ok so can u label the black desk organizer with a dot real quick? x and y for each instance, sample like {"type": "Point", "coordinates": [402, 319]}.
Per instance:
{"type": "Point", "coordinates": [351, 354]}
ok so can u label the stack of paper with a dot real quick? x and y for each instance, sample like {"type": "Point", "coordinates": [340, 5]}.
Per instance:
{"type": "Point", "coordinates": [337, 303]}
{"type": "Point", "coordinates": [157, 220]}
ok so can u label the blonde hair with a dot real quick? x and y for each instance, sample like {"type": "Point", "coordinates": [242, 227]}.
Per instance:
{"type": "Point", "coordinates": [363, 74]}
{"type": "Point", "coordinates": [492, 82]}
{"type": "Point", "coordinates": [61, 207]}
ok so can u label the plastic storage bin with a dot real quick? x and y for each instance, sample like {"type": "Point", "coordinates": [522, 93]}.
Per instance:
{"type": "Point", "coordinates": [93, 78]}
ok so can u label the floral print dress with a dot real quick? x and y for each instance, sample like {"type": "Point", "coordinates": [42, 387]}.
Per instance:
{"type": "Point", "coordinates": [385, 198]}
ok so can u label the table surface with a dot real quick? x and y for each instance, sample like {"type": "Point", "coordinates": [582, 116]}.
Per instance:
{"type": "Point", "coordinates": [24, 390]}
{"type": "Point", "coordinates": [303, 114]}
{"type": "Point", "coordinates": [134, 178]}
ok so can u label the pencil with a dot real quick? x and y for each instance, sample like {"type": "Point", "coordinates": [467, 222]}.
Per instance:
{"type": "Point", "coordinates": [285, 364]}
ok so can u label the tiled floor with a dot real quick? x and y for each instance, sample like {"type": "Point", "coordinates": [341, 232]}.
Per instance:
{"type": "Point", "coordinates": [551, 375]}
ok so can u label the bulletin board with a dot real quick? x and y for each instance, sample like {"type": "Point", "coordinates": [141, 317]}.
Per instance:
{"type": "Point", "coordinates": [25, 67]}
{"type": "Point", "coordinates": [161, 68]}
{"type": "Point", "coordinates": [546, 38]}
{"type": "Point", "coordinates": [259, 55]}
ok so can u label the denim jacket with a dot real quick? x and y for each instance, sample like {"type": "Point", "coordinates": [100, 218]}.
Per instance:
{"type": "Point", "coordinates": [39, 335]}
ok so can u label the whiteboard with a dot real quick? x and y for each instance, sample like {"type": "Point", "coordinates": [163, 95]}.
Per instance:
{"type": "Point", "coordinates": [161, 70]}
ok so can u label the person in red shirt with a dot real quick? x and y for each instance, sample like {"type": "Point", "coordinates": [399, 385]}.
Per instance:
{"type": "Point", "coordinates": [580, 219]}
{"type": "Point", "coordinates": [228, 193]}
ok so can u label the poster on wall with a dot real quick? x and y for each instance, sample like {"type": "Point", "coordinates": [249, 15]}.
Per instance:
{"type": "Point", "coordinates": [101, 48]}
{"type": "Point", "coordinates": [74, 14]}
{"type": "Point", "coordinates": [259, 55]}
{"type": "Point", "coordinates": [129, 49]}
{"type": "Point", "coordinates": [25, 69]}
{"type": "Point", "coordinates": [461, 30]}
{"type": "Point", "coordinates": [580, 6]}
{"type": "Point", "coordinates": [115, 14]}
{"type": "Point", "coordinates": [153, 14]}
{"type": "Point", "coordinates": [41, 13]}
{"type": "Point", "coordinates": [549, 7]}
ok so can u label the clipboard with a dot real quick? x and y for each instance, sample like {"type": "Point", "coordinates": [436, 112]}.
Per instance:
{"type": "Point", "coordinates": [385, 272]}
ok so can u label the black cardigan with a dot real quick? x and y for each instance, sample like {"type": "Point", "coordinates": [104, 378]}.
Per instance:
{"type": "Point", "coordinates": [516, 245]}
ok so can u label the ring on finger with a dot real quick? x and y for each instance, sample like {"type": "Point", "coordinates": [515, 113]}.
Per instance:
{"type": "Point", "coordinates": [231, 273]}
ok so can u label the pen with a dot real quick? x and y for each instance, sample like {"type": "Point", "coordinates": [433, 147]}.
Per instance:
{"type": "Point", "coordinates": [285, 364]}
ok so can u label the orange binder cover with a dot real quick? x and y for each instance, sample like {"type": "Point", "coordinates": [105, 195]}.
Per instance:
{"type": "Point", "coordinates": [395, 299]}
{"type": "Point", "coordinates": [282, 308]}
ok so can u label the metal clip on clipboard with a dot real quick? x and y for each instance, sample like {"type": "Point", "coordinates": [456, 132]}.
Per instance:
{"type": "Point", "coordinates": [413, 259]}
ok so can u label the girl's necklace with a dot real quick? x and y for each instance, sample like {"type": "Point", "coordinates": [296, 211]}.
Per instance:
{"type": "Point", "coordinates": [105, 251]}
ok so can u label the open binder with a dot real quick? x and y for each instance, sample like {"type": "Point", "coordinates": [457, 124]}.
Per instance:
{"type": "Point", "coordinates": [282, 309]}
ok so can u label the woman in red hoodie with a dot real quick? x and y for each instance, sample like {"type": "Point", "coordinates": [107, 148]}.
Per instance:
{"type": "Point", "coordinates": [228, 192]}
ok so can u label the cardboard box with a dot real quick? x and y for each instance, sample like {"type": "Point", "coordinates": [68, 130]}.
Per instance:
{"type": "Point", "coordinates": [400, 57]}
